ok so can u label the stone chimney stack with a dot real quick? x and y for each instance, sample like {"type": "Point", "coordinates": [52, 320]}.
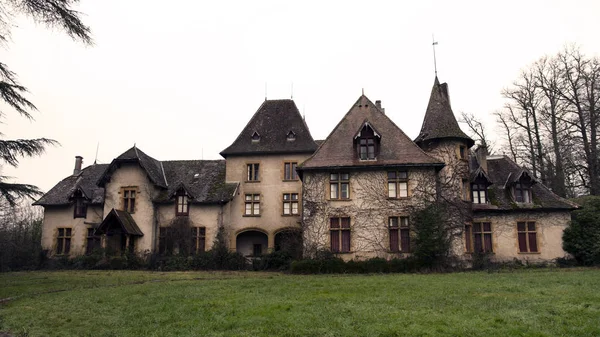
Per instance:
{"type": "Point", "coordinates": [378, 105]}
{"type": "Point", "coordinates": [481, 153]}
{"type": "Point", "coordinates": [78, 163]}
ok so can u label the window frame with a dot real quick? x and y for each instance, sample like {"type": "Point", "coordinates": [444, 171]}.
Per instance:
{"type": "Point", "coordinates": [128, 200]}
{"type": "Point", "coordinates": [198, 239]}
{"type": "Point", "coordinates": [63, 240]}
{"type": "Point", "coordinates": [341, 179]}
{"type": "Point", "coordinates": [399, 234]}
{"type": "Point", "coordinates": [79, 206]}
{"type": "Point", "coordinates": [462, 152]}
{"type": "Point", "coordinates": [252, 172]}
{"type": "Point", "coordinates": [254, 203]}
{"type": "Point", "coordinates": [166, 245]}
{"type": "Point", "coordinates": [523, 190]}
{"type": "Point", "coordinates": [92, 242]}
{"type": "Point", "coordinates": [527, 234]}
{"type": "Point", "coordinates": [397, 180]}
{"type": "Point", "coordinates": [290, 202]}
{"type": "Point", "coordinates": [480, 189]}
{"type": "Point", "coordinates": [289, 171]}
{"type": "Point", "coordinates": [478, 233]}
{"type": "Point", "coordinates": [183, 200]}
{"type": "Point", "coordinates": [340, 235]}
{"type": "Point", "coordinates": [367, 142]}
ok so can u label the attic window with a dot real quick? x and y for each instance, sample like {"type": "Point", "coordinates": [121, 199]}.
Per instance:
{"type": "Point", "coordinates": [182, 208]}
{"type": "Point", "coordinates": [291, 136]}
{"type": "Point", "coordinates": [255, 137]}
{"type": "Point", "coordinates": [523, 192]}
{"type": "Point", "coordinates": [80, 207]}
{"type": "Point", "coordinates": [367, 143]}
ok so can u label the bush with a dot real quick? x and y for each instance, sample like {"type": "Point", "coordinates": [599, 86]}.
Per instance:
{"type": "Point", "coordinates": [432, 236]}
{"type": "Point", "coordinates": [581, 238]}
{"type": "Point", "coordinates": [278, 260]}
{"type": "Point", "coordinates": [334, 265]}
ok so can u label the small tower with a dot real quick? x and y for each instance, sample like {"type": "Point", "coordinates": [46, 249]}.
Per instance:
{"type": "Point", "coordinates": [442, 138]}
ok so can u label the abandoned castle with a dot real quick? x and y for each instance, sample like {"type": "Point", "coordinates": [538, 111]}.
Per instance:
{"type": "Point", "coordinates": [351, 193]}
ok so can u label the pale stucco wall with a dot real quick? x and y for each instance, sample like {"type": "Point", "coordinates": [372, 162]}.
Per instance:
{"type": "Point", "coordinates": [62, 217]}
{"type": "Point", "coordinates": [271, 188]}
{"type": "Point", "coordinates": [549, 227]}
{"type": "Point", "coordinates": [132, 175]}
{"type": "Point", "coordinates": [208, 216]}
{"type": "Point", "coordinates": [368, 208]}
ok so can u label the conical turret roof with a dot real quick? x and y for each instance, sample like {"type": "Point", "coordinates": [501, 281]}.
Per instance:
{"type": "Point", "coordinates": [439, 121]}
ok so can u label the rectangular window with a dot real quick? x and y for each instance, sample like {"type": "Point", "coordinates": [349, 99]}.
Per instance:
{"type": "Point", "coordinates": [165, 240]}
{"type": "Point", "coordinates": [397, 184]}
{"type": "Point", "coordinates": [399, 234]}
{"type": "Point", "coordinates": [482, 237]}
{"type": "Point", "coordinates": [92, 242]}
{"type": "Point", "coordinates": [522, 193]}
{"type": "Point", "coordinates": [129, 194]}
{"type": "Point", "coordinates": [462, 152]}
{"type": "Point", "coordinates": [527, 234]}
{"type": "Point", "coordinates": [366, 149]}
{"type": "Point", "coordinates": [198, 239]}
{"type": "Point", "coordinates": [290, 204]}
{"type": "Point", "coordinates": [252, 204]}
{"type": "Point", "coordinates": [63, 241]}
{"type": "Point", "coordinates": [80, 208]}
{"type": "Point", "coordinates": [479, 193]}
{"type": "Point", "coordinates": [290, 171]}
{"type": "Point", "coordinates": [469, 238]}
{"type": "Point", "coordinates": [252, 172]}
{"type": "Point", "coordinates": [339, 186]}
{"type": "Point", "coordinates": [339, 232]}
{"type": "Point", "coordinates": [182, 205]}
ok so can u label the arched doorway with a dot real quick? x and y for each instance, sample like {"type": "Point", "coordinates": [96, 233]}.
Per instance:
{"type": "Point", "coordinates": [289, 240]}
{"type": "Point", "coordinates": [252, 243]}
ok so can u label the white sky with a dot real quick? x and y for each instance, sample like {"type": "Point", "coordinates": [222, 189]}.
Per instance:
{"type": "Point", "coordinates": [182, 78]}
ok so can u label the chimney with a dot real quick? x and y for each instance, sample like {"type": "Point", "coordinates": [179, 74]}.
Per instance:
{"type": "Point", "coordinates": [78, 162]}
{"type": "Point", "coordinates": [481, 153]}
{"type": "Point", "coordinates": [378, 105]}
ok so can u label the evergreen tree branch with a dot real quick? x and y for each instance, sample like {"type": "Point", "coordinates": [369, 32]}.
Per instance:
{"type": "Point", "coordinates": [11, 150]}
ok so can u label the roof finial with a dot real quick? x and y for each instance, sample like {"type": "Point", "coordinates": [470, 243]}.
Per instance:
{"type": "Point", "coordinates": [433, 44]}
{"type": "Point", "coordinates": [265, 91]}
{"type": "Point", "coordinates": [96, 158]}
{"type": "Point", "coordinates": [363, 91]}
{"type": "Point", "coordinates": [292, 91]}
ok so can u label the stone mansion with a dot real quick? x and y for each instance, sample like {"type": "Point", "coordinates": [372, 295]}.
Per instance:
{"type": "Point", "coordinates": [351, 193]}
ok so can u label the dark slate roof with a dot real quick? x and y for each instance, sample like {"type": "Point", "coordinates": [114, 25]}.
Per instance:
{"type": "Point", "coordinates": [273, 121]}
{"type": "Point", "coordinates": [207, 187]}
{"type": "Point", "coordinates": [396, 148]}
{"type": "Point", "coordinates": [84, 181]}
{"type": "Point", "coordinates": [152, 166]}
{"type": "Point", "coordinates": [203, 180]}
{"type": "Point", "coordinates": [501, 171]}
{"type": "Point", "coordinates": [439, 121]}
{"type": "Point", "coordinates": [121, 218]}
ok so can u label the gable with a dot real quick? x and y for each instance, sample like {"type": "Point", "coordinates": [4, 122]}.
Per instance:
{"type": "Point", "coordinates": [338, 150]}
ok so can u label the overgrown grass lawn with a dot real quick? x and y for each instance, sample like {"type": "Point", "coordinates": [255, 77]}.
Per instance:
{"type": "Point", "coordinates": [541, 302]}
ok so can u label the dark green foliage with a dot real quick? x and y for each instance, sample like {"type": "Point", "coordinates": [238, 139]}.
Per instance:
{"type": "Point", "coordinates": [20, 241]}
{"type": "Point", "coordinates": [335, 265]}
{"type": "Point", "coordinates": [582, 237]}
{"type": "Point", "coordinates": [432, 236]}
{"type": "Point", "coordinates": [278, 260]}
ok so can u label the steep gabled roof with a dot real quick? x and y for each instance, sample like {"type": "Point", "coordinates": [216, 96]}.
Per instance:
{"type": "Point", "coordinates": [501, 170]}
{"type": "Point", "coordinates": [153, 167]}
{"type": "Point", "coordinates": [395, 147]}
{"type": "Point", "coordinates": [203, 180]}
{"type": "Point", "coordinates": [439, 121]}
{"type": "Point", "coordinates": [85, 181]}
{"type": "Point", "coordinates": [273, 120]}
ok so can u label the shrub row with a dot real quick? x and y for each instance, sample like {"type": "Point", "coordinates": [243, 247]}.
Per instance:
{"type": "Point", "coordinates": [337, 266]}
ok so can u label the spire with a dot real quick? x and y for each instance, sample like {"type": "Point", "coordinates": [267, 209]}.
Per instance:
{"type": "Point", "coordinates": [439, 121]}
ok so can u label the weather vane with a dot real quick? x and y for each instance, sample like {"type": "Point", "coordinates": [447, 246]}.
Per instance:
{"type": "Point", "coordinates": [434, 60]}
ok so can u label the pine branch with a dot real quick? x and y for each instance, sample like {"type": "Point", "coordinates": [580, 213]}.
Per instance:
{"type": "Point", "coordinates": [13, 192]}
{"type": "Point", "coordinates": [11, 150]}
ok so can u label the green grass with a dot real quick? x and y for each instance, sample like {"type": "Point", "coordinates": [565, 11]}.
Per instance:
{"type": "Point", "coordinates": [541, 302]}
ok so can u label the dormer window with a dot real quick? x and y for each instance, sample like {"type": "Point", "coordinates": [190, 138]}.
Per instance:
{"type": "Point", "coordinates": [255, 137]}
{"type": "Point", "coordinates": [479, 192]}
{"type": "Point", "coordinates": [182, 207]}
{"type": "Point", "coordinates": [80, 207]}
{"type": "Point", "coordinates": [291, 136]}
{"type": "Point", "coordinates": [367, 143]}
{"type": "Point", "coordinates": [523, 192]}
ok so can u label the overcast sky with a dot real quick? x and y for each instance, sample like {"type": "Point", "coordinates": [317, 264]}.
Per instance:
{"type": "Point", "coordinates": [182, 78]}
